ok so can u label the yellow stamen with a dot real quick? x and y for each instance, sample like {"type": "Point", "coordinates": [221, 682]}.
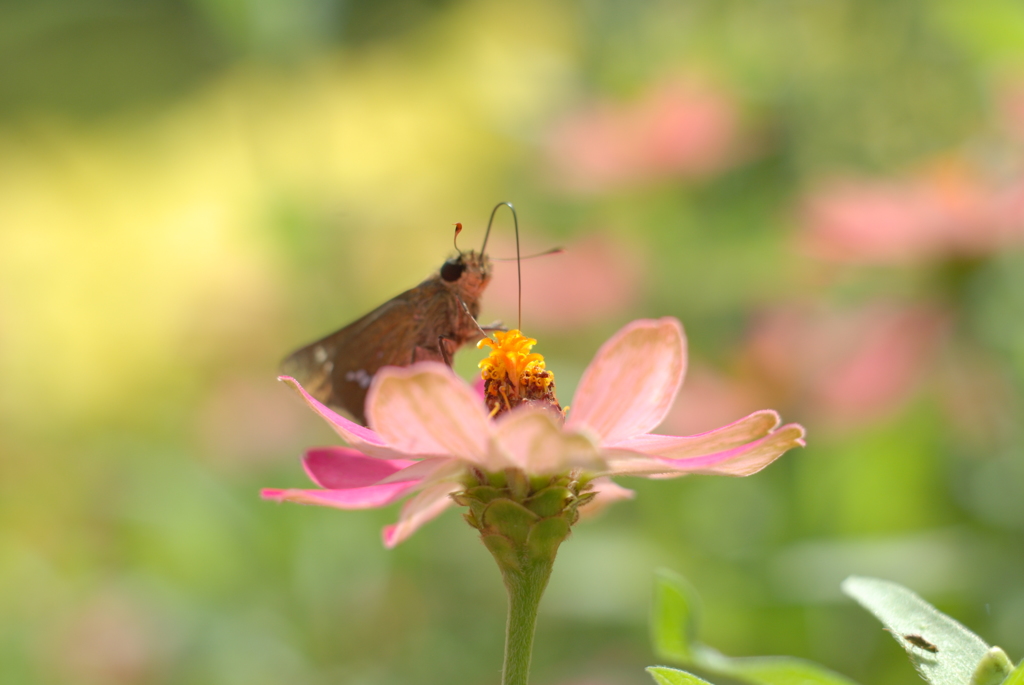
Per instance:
{"type": "Point", "coordinates": [513, 374]}
{"type": "Point", "coordinates": [510, 359]}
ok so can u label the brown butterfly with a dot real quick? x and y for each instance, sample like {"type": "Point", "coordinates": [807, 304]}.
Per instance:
{"type": "Point", "coordinates": [427, 322]}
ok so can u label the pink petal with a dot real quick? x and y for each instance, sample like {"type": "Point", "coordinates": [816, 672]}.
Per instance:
{"type": "Point", "coordinates": [426, 410]}
{"type": "Point", "coordinates": [355, 498]}
{"type": "Point", "coordinates": [341, 468]}
{"type": "Point", "coordinates": [418, 510]}
{"type": "Point", "coordinates": [360, 437]}
{"type": "Point", "coordinates": [629, 387]}
{"type": "Point", "coordinates": [739, 461]}
{"type": "Point", "coordinates": [533, 440]}
{"type": "Point", "coordinates": [751, 427]}
{"type": "Point", "coordinates": [608, 492]}
{"type": "Point", "coordinates": [429, 471]}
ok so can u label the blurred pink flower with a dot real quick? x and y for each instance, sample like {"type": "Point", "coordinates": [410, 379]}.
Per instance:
{"type": "Point", "coordinates": [846, 367]}
{"type": "Point", "coordinates": [677, 128]}
{"type": "Point", "coordinates": [949, 212]}
{"type": "Point", "coordinates": [594, 279]}
{"type": "Point", "coordinates": [112, 639]}
{"type": "Point", "coordinates": [1010, 104]}
{"type": "Point", "coordinates": [710, 398]}
{"type": "Point", "coordinates": [252, 439]}
{"type": "Point", "coordinates": [979, 397]}
{"type": "Point", "coordinates": [430, 429]}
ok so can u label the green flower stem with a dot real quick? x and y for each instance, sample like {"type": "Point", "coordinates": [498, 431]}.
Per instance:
{"type": "Point", "coordinates": [525, 587]}
{"type": "Point", "coordinates": [522, 521]}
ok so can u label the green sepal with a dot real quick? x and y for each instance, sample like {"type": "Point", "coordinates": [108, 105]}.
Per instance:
{"type": "Point", "coordinates": [538, 483]}
{"type": "Point", "coordinates": [550, 501]}
{"type": "Point", "coordinates": [477, 498]}
{"type": "Point", "coordinates": [508, 518]}
{"type": "Point", "coordinates": [479, 493]}
{"type": "Point", "coordinates": [497, 479]}
{"type": "Point", "coordinates": [518, 484]}
{"type": "Point", "coordinates": [994, 668]}
{"type": "Point", "coordinates": [546, 535]}
{"type": "Point", "coordinates": [503, 550]}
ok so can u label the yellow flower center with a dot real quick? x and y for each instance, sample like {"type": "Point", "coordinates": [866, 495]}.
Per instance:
{"type": "Point", "coordinates": [513, 374]}
{"type": "Point", "coordinates": [510, 358]}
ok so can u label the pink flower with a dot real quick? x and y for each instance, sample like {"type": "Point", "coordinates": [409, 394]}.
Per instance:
{"type": "Point", "coordinates": [676, 129]}
{"type": "Point", "coordinates": [114, 637]}
{"type": "Point", "coordinates": [1010, 107]}
{"type": "Point", "coordinates": [597, 277]}
{"type": "Point", "coordinates": [431, 431]}
{"type": "Point", "coordinates": [711, 397]}
{"type": "Point", "coordinates": [846, 368]}
{"type": "Point", "coordinates": [949, 212]}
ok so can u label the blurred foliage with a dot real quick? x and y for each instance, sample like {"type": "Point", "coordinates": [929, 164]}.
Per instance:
{"type": "Point", "coordinates": [189, 190]}
{"type": "Point", "coordinates": [675, 623]}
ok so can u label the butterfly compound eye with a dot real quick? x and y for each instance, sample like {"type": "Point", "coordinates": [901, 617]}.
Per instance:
{"type": "Point", "coordinates": [452, 270]}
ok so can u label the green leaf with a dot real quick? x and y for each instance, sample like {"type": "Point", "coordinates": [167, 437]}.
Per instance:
{"type": "Point", "coordinates": [673, 616]}
{"type": "Point", "coordinates": [670, 676]}
{"type": "Point", "coordinates": [674, 623]}
{"type": "Point", "coordinates": [783, 670]}
{"type": "Point", "coordinates": [943, 651]}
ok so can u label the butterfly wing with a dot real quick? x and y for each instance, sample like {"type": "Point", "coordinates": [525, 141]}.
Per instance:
{"type": "Point", "coordinates": [338, 369]}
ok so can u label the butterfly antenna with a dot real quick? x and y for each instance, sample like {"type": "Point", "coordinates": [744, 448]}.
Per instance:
{"type": "Point", "coordinates": [455, 240]}
{"type": "Point", "coordinates": [545, 253]}
{"type": "Point", "coordinates": [519, 266]}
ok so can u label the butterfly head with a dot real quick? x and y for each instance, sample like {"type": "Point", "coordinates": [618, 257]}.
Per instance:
{"type": "Point", "coordinates": [469, 273]}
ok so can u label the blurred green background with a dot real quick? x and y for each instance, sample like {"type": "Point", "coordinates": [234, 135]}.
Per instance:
{"type": "Point", "coordinates": [829, 195]}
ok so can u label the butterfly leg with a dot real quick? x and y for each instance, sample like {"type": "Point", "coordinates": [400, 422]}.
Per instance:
{"type": "Point", "coordinates": [446, 355]}
{"type": "Point", "coordinates": [476, 324]}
